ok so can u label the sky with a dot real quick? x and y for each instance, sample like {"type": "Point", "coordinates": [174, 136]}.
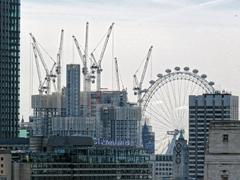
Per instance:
{"type": "Point", "coordinates": [200, 34]}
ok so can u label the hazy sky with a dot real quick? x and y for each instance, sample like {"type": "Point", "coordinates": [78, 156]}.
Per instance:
{"type": "Point", "coordinates": [202, 34]}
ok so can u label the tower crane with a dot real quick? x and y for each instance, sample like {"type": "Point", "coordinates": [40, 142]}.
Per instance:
{"type": "Point", "coordinates": [59, 59]}
{"type": "Point", "coordinates": [40, 88]}
{"type": "Point", "coordinates": [138, 84]}
{"type": "Point", "coordinates": [117, 74]}
{"type": "Point", "coordinates": [48, 75]}
{"type": "Point", "coordinates": [97, 64]}
{"type": "Point", "coordinates": [84, 57]}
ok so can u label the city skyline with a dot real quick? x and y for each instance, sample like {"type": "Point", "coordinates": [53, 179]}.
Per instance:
{"type": "Point", "coordinates": [196, 33]}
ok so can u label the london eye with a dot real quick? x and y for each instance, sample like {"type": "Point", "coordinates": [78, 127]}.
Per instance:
{"type": "Point", "coordinates": [165, 102]}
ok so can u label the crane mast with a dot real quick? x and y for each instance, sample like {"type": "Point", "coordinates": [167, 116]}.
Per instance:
{"type": "Point", "coordinates": [84, 58]}
{"type": "Point", "coordinates": [59, 59]}
{"type": "Point", "coordinates": [138, 85]}
{"type": "Point", "coordinates": [48, 75]}
{"type": "Point", "coordinates": [97, 65]}
{"type": "Point", "coordinates": [117, 74]}
{"type": "Point", "coordinates": [40, 89]}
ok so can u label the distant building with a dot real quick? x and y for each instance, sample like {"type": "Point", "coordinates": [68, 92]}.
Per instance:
{"type": "Point", "coordinates": [5, 165]}
{"type": "Point", "coordinates": [202, 110]}
{"type": "Point", "coordinates": [73, 90]}
{"type": "Point", "coordinates": [222, 157]}
{"type": "Point", "coordinates": [148, 139]}
{"type": "Point", "coordinates": [163, 167]}
{"type": "Point", "coordinates": [121, 123]}
{"type": "Point", "coordinates": [9, 67]}
{"type": "Point", "coordinates": [74, 157]}
{"type": "Point", "coordinates": [180, 159]}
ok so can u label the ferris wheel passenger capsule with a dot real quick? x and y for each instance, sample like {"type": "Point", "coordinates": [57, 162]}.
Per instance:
{"type": "Point", "coordinates": [177, 68]}
{"type": "Point", "coordinates": [204, 76]}
{"type": "Point", "coordinates": [186, 69]}
{"type": "Point", "coordinates": [168, 71]}
{"type": "Point", "coordinates": [195, 71]}
{"type": "Point", "coordinates": [211, 83]}
{"type": "Point", "coordinates": [152, 82]}
{"type": "Point", "coordinates": [159, 75]}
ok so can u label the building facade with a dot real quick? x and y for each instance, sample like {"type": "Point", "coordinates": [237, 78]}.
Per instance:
{"type": "Point", "coordinates": [73, 90]}
{"type": "Point", "coordinates": [222, 157]}
{"type": "Point", "coordinates": [163, 167]}
{"type": "Point", "coordinates": [148, 139]}
{"type": "Point", "coordinates": [180, 158]}
{"type": "Point", "coordinates": [74, 157]}
{"type": "Point", "coordinates": [9, 67]}
{"type": "Point", "coordinates": [202, 110]}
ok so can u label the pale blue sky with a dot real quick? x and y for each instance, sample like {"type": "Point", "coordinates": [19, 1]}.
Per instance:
{"type": "Point", "coordinates": [203, 34]}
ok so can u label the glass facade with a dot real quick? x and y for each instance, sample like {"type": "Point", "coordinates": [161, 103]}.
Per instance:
{"type": "Point", "coordinates": [9, 67]}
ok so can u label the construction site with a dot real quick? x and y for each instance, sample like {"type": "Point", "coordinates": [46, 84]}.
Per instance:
{"type": "Point", "coordinates": [83, 109]}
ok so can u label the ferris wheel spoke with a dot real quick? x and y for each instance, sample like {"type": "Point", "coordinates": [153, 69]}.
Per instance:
{"type": "Point", "coordinates": [170, 102]}
{"type": "Point", "coordinates": [158, 117]}
{"type": "Point", "coordinates": [159, 123]}
{"type": "Point", "coordinates": [194, 89]}
{"type": "Point", "coordinates": [159, 112]}
{"type": "Point", "coordinates": [162, 107]}
{"type": "Point", "coordinates": [167, 104]}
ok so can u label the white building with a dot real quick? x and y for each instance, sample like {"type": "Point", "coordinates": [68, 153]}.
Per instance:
{"type": "Point", "coordinates": [222, 158]}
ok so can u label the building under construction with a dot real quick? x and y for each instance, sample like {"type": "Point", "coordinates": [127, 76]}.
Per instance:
{"type": "Point", "coordinates": [104, 115]}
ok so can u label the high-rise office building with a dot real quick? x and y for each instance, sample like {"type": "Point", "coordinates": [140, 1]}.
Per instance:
{"type": "Point", "coordinates": [9, 67]}
{"type": "Point", "coordinates": [73, 90]}
{"type": "Point", "coordinates": [148, 139]}
{"type": "Point", "coordinates": [202, 110]}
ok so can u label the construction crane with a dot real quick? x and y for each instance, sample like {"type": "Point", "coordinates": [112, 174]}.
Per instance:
{"type": "Point", "coordinates": [48, 75]}
{"type": "Point", "coordinates": [97, 64]}
{"type": "Point", "coordinates": [138, 84]}
{"type": "Point", "coordinates": [59, 59]}
{"type": "Point", "coordinates": [117, 74]}
{"type": "Point", "coordinates": [84, 57]}
{"type": "Point", "coordinates": [41, 87]}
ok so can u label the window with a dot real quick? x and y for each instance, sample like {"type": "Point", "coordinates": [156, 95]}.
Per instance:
{"type": "Point", "coordinates": [225, 138]}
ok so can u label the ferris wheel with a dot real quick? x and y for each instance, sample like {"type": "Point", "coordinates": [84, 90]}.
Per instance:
{"type": "Point", "coordinates": [165, 102]}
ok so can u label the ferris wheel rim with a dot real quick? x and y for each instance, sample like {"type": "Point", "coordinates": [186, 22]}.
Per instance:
{"type": "Point", "coordinates": [170, 76]}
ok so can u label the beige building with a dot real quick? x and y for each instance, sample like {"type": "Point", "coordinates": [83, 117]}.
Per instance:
{"type": "Point", "coordinates": [5, 165]}
{"type": "Point", "coordinates": [222, 157]}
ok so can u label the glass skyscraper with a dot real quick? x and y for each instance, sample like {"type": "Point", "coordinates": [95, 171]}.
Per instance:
{"type": "Point", "coordinates": [73, 90]}
{"type": "Point", "coordinates": [9, 67]}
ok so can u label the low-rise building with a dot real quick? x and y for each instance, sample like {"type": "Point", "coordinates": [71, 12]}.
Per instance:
{"type": "Point", "coordinates": [75, 157]}
{"type": "Point", "coordinates": [162, 168]}
{"type": "Point", "coordinates": [222, 157]}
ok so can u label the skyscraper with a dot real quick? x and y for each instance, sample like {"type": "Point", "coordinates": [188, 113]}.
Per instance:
{"type": "Point", "coordinates": [202, 110]}
{"type": "Point", "coordinates": [148, 139]}
{"type": "Point", "coordinates": [9, 67]}
{"type": "Point", "coordinates": [73, 90]}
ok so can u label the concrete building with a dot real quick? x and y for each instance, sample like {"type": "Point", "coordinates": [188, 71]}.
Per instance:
{"type": "Point", "coordinates": [9, 67]}
{"type": "Point", "coordinates": [180, 159]}
{"type": "Point", "coordinates": [121, 123]}
{"type": "Point", "coordinates": [73, 90]}
{"type": "Point", "coordinates": [5, 165]}
{"type": "Point", "coordinates": [148, 139]}
{"type": "Point", "coordinates": [202, 110]}
{"type": "Point", "coordinates": [222, 157]}
{"type": "Point", "coordinates": [163, 167]}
